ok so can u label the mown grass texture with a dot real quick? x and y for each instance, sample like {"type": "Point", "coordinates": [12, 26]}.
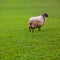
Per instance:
{"type": "Point", "coordinates": [17, 43]}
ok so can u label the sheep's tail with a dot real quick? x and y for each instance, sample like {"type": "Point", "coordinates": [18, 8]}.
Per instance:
{"type": "Point", "coordinates": [30, 25]}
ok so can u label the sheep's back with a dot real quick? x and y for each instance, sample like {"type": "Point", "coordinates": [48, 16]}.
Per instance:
{"type": "Point", "coordinates": [36, 18]}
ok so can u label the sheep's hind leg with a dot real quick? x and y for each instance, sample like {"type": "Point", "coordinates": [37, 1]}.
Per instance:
{"type": "Point", "coordinates": [39, 28]}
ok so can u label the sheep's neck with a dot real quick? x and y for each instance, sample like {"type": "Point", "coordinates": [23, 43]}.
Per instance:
{"type": "Point", "coordinates": [43, 17]}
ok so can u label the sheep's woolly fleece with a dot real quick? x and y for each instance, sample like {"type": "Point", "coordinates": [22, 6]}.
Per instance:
{"type": "Point", "coordinates": [37, 18]}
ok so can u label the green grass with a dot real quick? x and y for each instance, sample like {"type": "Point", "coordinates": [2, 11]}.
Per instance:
{"type": "Point", "coordinates": [17, 43]}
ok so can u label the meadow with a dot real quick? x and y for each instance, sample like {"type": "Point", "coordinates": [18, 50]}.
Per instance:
{"type": "Point", "coordinates": [17, 43]}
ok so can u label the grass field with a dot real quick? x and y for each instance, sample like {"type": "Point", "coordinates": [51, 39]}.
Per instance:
{"type": "Point", "coordinates": [17, 43]}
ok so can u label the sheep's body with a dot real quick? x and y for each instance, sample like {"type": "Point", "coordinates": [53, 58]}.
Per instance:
{"type": "Point", "coordinates": [37, 22]}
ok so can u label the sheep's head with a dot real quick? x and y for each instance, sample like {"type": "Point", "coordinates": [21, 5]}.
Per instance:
{"type": "Point", "coordinates": [45, 14]}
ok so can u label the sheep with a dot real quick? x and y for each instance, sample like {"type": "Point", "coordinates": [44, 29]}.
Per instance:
{"type": "Point", "coordinates": [37, 22]}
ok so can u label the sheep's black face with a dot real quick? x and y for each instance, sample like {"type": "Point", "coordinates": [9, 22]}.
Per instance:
{"type": "Point", "coordinates": [45, 14]}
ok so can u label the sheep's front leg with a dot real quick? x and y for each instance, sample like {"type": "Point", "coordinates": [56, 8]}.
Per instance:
{"type": "Point", "coordinates": [39, 28]}
{"type": "Point", "coordinates": [30, 29]}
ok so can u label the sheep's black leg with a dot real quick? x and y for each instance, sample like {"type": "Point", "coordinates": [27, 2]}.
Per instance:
{"type": "Point", "coordinates": [39, 28]}
{"type": "Point", "coordinates": [29, 29]}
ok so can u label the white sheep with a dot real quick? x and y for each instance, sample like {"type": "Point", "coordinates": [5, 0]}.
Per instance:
{"type": "Point", "coordinates": [37, 22]}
